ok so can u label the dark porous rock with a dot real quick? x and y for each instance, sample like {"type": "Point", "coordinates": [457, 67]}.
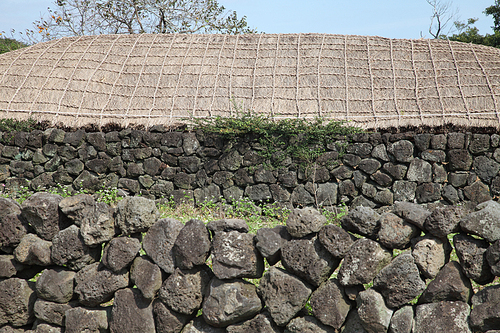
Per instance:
{"type": "Point", "coordinates": [50, 312]}
{"type": "Point", "coordinates": [442, 317]}
{"type": "Point", "coordinates": [301, 197]}
{"type": "Point", "coordinates": [41, 210]}
{"type": "Point", "coordinates": [284, 295]}
{"type": "Point", "coordinates": [12, 226]}
{"type": "Point", "coordinates": [493, 257]}
{"type": "Point", "coordinates": [335, 240]}
{"type": "Point", "coordinates": [88, 181]}
{"type": "Point", "coordinates": [450, 194]}
{"type": "Point", "coordinates": [131, 185]}
{"type": "Point", "coordinates": [444, 221]}
{"type": "Point", "coordinates": [56, 285]}
{"type": "Point", "coordinates": [261, 323]}
{"type": "Point", "coordinates": [362, 262]}
{"type": "Point", "coordinates": [399, 282]}
{"type": "Point", "coordinates": [396, 171]}
{"type": "Point", "coordinates": [485, 314]}
{"type": "Point", "coordinates": [9, 266]}
{"type": "Point", "coordinates": [430, 254]}
{"type": "Point", "coordinates": [347, 187]}
{"type": "Point", "coordinates": [422, 141]}
{"type": "Point", "coordinates": [268, 242]}
{"type": "Point", "coordinates": [342, 172]}
{"type": "Point", "coordinates": [362, 220]}
{"type": "Point", "coordinates": [472, 255]}
{"type": "Point", "coordinates": [41, 327]}
{"type": "Point", "coordinates": [198, 325]}
{"type": "Point", "coordinates": [308, 259]}
{"type": "Point", "coordinates": [166, 320]}
{"type": "Point", "coordinates": [419, 171]}
{"type": "Point", "coordinates": [302, 222]}
{"type": "Point", "coordinates": [33, 250]}
{"type": "Point", "coordinates": [450, 284]}
{"type": "Point", "coordinates": [396, 233]}
{"type": "Point", "coordinates": [192, 246]}
{"type": "Point", "coordinates": [234, 255]}
{"type": "Point", "coordinates": [229, 302]}
{"type": "Point", "coordinates": [159, 241]}
{"type": "Point", "coordinates": [351, 160]}
{"type": "Point", "coordinates": [402, 150]}
{"type": "Point", "coordinates": [485, 168]}
{"type": "Point", "coordinates": [184, 290]}
{"type": "Point", "coordinates": [484, 222]}
{"type": "Point", "coordinates": [78, 208]}
{"type": "Point", "coordinates": [369, 165]}
{"type": "Point", "coordinates": [384, 197]}
{"type": "Point", "coordinates": [434, 156]}
{"type": "Point", "coordinates": [479, 143]}
{"type": "Point", "coordinates": [136, 214]}
{"type": "Point", "coordinates": [404, 190]}
{"type": "Point", "coordinates": [307, 324]}
{"type": "Point", "coordinates": [428, 192]}
{"type": "Point", "coordinates": [258, 192]}
{"type": "Point", "coordinates": [402, 320]}
{"type": "Point", "coordinates": [375, 316]}
{"type": "Point", "coordinates": [380, 152]}
{"type": "Point", "coordinates": [381, 178]}
{"type": "Point", "coordinates": [412, 212]}
{"type": "Point", "coordinates": [131, 313]}
{"type": "Point", "coordinates": [69, 249]}
{"type": "Point", "coordinates": [459, 159]}
{"type": "Point", "coordinates": [362, 201]}
{"type": "Point", "coordinates": [478, 192]}
{"type": "Point", "coordinates": [210, 193]}
{"type": "Point", "coordinates": [17, 298]}
{"type": "Point", "coordinates": [146, 276]}
{"type": "Point", "coordinates": [456, 140]}
{"type": "Point", "coordinates": [353, 323]}
{"type": "Point", "coordinates": [95, 284]}
{"type": "Point", "coordinates": [120, 252]}
{"type": "Point", "coordinates": [330, 304]}
{"type": "Point", "coordinates": [326, 194]}
{"type": "Point", "coordinates": [99, 229]}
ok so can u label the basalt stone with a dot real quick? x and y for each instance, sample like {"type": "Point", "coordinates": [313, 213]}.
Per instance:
{"type": "Point", "coordinates": [381, 178]}
{"type": "Point", "coordinates": [192, 246]}
{"type": "Point", "coordinates": [284, 295]}
{"type": "Point", "coordinates": [480, 143]}
{"type": "Point", "coordinates": [211, 193]}
{"type": "Point", "coordinates": [485, 168]}
{"type": "Point", "coordinates": [330, 304]}
{"type": "Point", "coordinates": [9, 266]}
{"type": "Point", "coordinates": [422, 141]}
{"type": "Point", "coordinates": [401, 150]}
{"type": "Point", "coordinates": [166, 320]}
{"type": "Point", "coordinates": [190, 164]}
{"type": "Point", "coordinates": [185, 290]}
{"type": "Point", "coordinates": [136, 214]}
{"type": "Point", "coordinates": [33, 250]}
{"type": "Point", "coordinates": [74, 167]}
{"type": "Point", "coordinates": [302, 222]}
{"type": "Point", "coordinates": [262, 175]}
{"type": "Point", "coordinates": [74, 138]}
{"type": "Point", "coordinates": [493, 257]}
{"type": "Point", "coordinates": [50, 312]}
{"type": "Point", "coordinates": [442, 317]}
{"type": "Point", "coordinates": [375, 316]}
{"type": "Point", "coordinates": [162, 188]}
{"type": "Point", "coordinates": [234, 255]}
{"type": "Point", "coordinates": [361, 220]}
{"type": "Point", "coordinates": [485, 314]}
{"type": "Point", "coordinates": [230, 161]}
{"type": "Point", "coordinates": [229, 302]}
{"type": "Point", "coordinates": [96, 284]}
{"type": "Point", "coordinates": [363, 262]}
{"type": "Point", "coordinates": [351, 160]}
{"type": "Point", "coordinates": [399, 282]}
{"type": "Point", "coordinates": [131, 313]}
{"type": "Point", "coordinates": [456, 140]}
{"type": "Point", "coordinates": [484, 222]}
{"type": "Point", "coordinates": [411, 212]}
{"type": "Point", "coordinates": [353, 323]}
{"type": "Point", "coordinates": [134, 170]}
{"type": "Point", "coordinates": [146, 276]}
{"type": "Point", "coordinates": [288, 178]}
{"type": "Point", "coordinates": [223, 178]}
{"type": "Point", "coordinates": [99, 229]}
{"type": "Point", "coordinates": [259, 192]}
{"type": "Point", "coordinates": [198, 325]}
{"type": "Point", "coordinates": [404, 190]}
{"type": "Point", "coordinates": [120, 252]}
{"type": "Point", "coordinates": [190, 143]}
{"type": "Point", "coordinates": [434, 156]}
{"type": "Point", "coordinates": [477, 192]}
{"type": "Point", "coordinates": [228, 225]}
{"type": "Point", "coordinates": [450, 194]}
{"type": "Point", "coordinates": [261, 323]}
{"type": "Point", "coordinates": [459, 159]}
{"type": "Point", "coordinates": [402, 320]}
{"type": "Point", "coordinates": [69, 249]}
{"type": "Point", "coordinates": [85, 152]}
{"type": "Point", "coordinates": [41, 210]}
{"type": "Point", "coordinates": [307, 324]}
{"type": "Point", "coordinates": [88, 181]}
{"type": "Point", "coordinates": [419, 171]}
{"type": "Point", "coordinates": [56, 285]}
{"type": "Point", "coordinates": [472, 255]}
{"type": "Point", "coordinates": [444, 221]}
{"type": "Point", "coordinates": [369, 190]}
{"type": "Point", "coordinates": [17, 298]}
{"type": "Point", "coordinates": [428, 192]}
{"type": "Point", "coordinates": [97, 140]}
{"type": "Point", "coordinates": [326, 194]}
{"type": "Point", "coordinates": [380, 152]}
{"type": "Point", "coordinates": [12, 226]}
{"type": "Point", "coordinates": [450, 284]}
{"type": "Point", "coordinates": [362, 201]}
{"type": "Point", "coordinates": [335, 240]}
{"type": "Point", "coordinates": [396, 233]}
{"type": "Point", "coordinates": [78, 208]}
{"type": "Point", "coordinates": [268, 242]}
{"type": "Point", "coordinates": [171, 139]}
{"type": "Point", "coordinates": [53, 164]}
{"type": "Point", "coordinates": [430, 254]}
{"type": "Point", "coordinates": [361, 149]}
{"type": "Point", "coordinates": [308, 259]}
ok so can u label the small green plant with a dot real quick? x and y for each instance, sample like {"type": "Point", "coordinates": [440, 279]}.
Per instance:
{"type": "Point", "coordinates": [15, 125]}
{"type": "Point", "coordinates": [20, 195]}
{"type": "Point", "coordinates": [108, 195]}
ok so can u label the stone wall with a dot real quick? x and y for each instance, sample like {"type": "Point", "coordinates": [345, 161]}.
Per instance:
{"type": "Point", "coordinates": [125, 269]}
{"type": "Point", "coordinates": [365, 169]}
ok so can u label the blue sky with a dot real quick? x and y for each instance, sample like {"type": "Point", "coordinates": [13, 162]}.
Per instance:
{"type": "Point", "coordinates": [386, 18]}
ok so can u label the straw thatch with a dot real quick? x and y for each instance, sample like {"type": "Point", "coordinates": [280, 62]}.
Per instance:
{"type": "Point", "coordinates": [160, 79]}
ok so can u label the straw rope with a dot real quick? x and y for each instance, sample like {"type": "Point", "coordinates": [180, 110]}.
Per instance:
{"type": "Point", "coordinates": [160, 79]}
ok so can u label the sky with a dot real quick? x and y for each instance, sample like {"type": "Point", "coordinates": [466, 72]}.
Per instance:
{"type": "Point", "coordinates": [385, 18]}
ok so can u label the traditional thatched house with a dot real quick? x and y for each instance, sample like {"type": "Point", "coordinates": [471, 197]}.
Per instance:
{"type": "Point", "coordinates": [160, 79]}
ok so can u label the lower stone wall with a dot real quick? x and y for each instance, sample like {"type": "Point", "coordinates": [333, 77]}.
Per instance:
{"type": "Point", "coordinates": [370, 169]}
{"type": "Point", "coordinates": [99, 269]}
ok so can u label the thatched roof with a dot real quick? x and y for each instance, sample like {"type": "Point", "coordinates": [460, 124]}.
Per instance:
{"type": "Point", "coordinates": [160, 79]}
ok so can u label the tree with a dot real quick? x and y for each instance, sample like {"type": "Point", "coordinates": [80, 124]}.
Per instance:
{"type": "Point", "coordinates": [9, 44]}
{"type": "Point", "coordinates": [93, 17]}
{"type": "Point", "coordinates": [495, 12]}
{"type": "Point", "coordinates": [442, 15]}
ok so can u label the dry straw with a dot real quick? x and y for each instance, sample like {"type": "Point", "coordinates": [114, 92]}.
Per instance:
{"type": "Point", "coordinates": [161, 79]}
